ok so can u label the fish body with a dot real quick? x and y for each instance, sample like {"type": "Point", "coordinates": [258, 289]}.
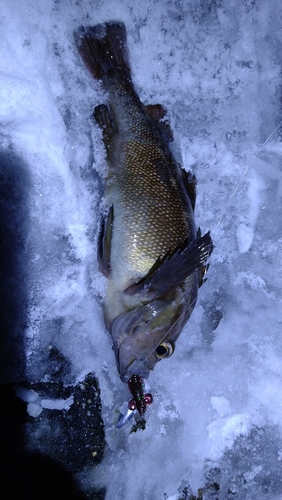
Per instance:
{"type": "Point", "coordinates": [149, 248]}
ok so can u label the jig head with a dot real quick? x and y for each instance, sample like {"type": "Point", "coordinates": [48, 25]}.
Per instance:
{"type": "Point", "coordinates": [139, 401]}
{"type": "Point", "coordinates": [137, 404]}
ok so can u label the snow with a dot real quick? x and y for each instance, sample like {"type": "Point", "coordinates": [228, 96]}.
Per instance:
{"type": "Point", "coordinates": [36, 404]}
{"type": "Point", "coordinates": [57, 404]}
{"type": "Point", "coordinates": [216, 67]}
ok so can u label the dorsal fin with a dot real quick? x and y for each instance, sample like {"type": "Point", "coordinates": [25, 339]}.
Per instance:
{"type": "Point", "coordinates": [157, 113]}
{"type": "Point", "coordinates": [190, 183]}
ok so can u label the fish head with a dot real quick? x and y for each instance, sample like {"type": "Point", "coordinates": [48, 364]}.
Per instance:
{"type": "Point", "coordinates": [147, 333]}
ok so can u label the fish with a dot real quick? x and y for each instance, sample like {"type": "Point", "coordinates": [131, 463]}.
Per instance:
{"type": "Point", "coordinates": [149, 249]}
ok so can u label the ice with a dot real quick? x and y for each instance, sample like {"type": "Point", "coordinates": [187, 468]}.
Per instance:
{"type": "Point", "coordinates": [36, 404]}
{"type": "Point", "coordinates": [221, 405]}
{"type": "Point", "coordinates": [216, 67]}
{"type": "Point", "coordinates": [57, 404]}
{"type": "Point", "coordinates": [27, 395]}
{"type": "Point", "coordinates": [34, 409]}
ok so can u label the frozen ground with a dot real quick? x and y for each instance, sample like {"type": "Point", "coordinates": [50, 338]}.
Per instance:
{"type": "Point", "coordinates": [216, 66]}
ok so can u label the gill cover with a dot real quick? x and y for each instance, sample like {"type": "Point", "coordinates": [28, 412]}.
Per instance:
{"type": "Point", "coordinates": [139, 333]}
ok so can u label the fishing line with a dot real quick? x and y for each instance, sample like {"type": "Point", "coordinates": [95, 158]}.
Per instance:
{"type": "Point", "coordinates": [246, 171]}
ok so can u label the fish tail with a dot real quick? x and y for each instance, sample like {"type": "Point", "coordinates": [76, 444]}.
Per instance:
{"type": "Point", "coordinates": [103, 49]}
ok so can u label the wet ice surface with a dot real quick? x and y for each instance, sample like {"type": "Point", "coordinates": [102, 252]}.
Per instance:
{"type": "Point", "coordinates": [216, 66]}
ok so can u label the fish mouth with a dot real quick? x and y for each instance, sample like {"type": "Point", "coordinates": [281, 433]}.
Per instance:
{"type": "Point", "coordinates": [136, 367]}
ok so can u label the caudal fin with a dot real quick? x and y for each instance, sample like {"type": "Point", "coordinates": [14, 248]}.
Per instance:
{"type": "Point", "coordinates": [103, 49]}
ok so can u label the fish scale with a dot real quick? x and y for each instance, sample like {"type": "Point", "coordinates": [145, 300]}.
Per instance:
{"type": "Point", "coordinates": [148, 247]}
{"type": "Point", "coordinates": [155, 216]}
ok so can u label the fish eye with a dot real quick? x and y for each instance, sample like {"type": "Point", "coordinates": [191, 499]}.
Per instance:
{"type": "Point", "coordinates": [164, 350]}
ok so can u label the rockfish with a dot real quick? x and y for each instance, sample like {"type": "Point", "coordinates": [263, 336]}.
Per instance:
{"type": "Point", "coordinates": [149, 248]}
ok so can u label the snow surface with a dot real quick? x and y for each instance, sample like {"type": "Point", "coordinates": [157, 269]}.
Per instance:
{"type": "Point", "coordinates": [216, 66]}
{"type": "Point", "coordinates": [36, 404]}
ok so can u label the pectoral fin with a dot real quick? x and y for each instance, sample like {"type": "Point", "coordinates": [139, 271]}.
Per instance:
{"type": "Point", "coordinates": [104, 243]}
{"type": "Point", "coordinates": [173, 269]}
